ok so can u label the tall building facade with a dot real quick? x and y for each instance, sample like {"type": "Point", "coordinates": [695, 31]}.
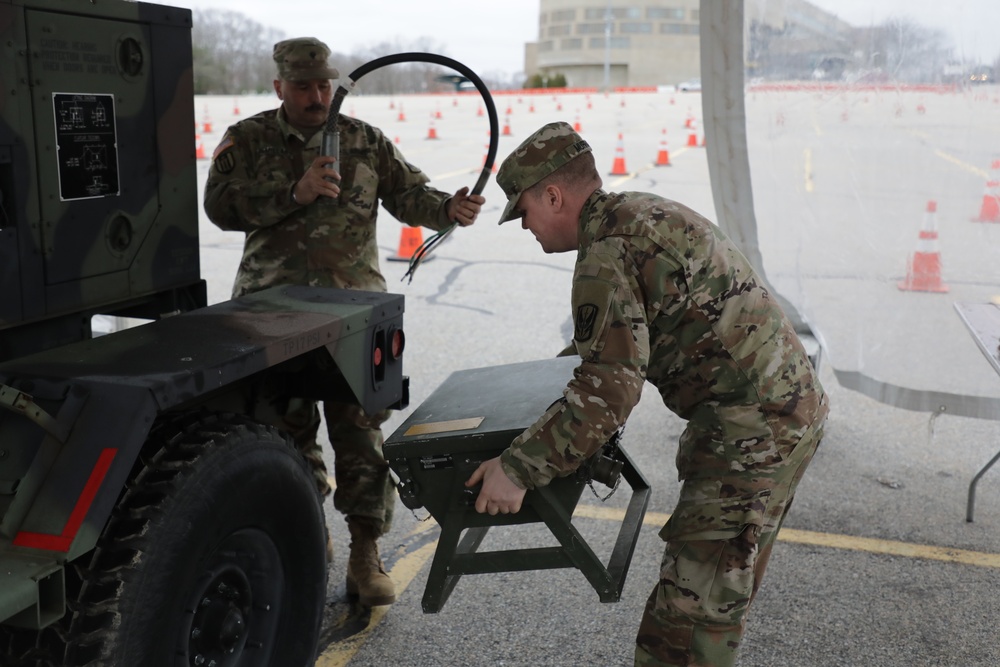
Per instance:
{"type": "Point", "coordinates": [634, 43]}
{"type": "Point", "coordinates": [616, 42]}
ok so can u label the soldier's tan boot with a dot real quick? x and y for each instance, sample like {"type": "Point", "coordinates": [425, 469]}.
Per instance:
{"type": "Point", "coordinates": [367, 580]}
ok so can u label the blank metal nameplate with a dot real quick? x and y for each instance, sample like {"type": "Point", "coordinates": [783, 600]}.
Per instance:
{"type": "Point", "coordinates": [444, 427]}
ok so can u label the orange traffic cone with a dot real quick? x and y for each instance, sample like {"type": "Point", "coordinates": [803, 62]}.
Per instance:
{"type": "Point", "coordinates": [576, 124]}
{"type": "Point", "coordinates": [206, 125]}
{"type": "Point", "coordinates": [402, 116]}
{"type": "Point", "coordinates": [410, 239]}
{"type": "Point", "coordinates": [924, 271]}
{"type": "Point", "coordinates": [990, 210]}
{"type": "Point", "coordinates": [663, 156]}
{"type": "Point", "coordinates": [431, 132]}
{"type": "Point", "coordinates": [689, 120]}
{"type": "Point", "coordinates": [693, 133]}
{"type": "Point", "coordinates": [480, 111]}
{"type": "Point", "coordinates": [199, 151]}
{"type": "Point", "coordinates": [236, 107]}
{"type": "Point", "coordinates": [506, 127]}
{"type": "Point", "coordinates": [618, 166]}
{"type": "Point", "coordinates": [531, 108]}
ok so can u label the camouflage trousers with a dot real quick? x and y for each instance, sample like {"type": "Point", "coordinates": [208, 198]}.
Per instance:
{"type": "Point", "coordinates": [718, 543]}
{"type": "Point", "coordinates": [364, 485]}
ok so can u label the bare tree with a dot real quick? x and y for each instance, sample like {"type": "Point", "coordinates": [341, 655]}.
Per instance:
{"type": "Point", "coordinates": [232, 53]}
{"type": "Point", "coordinates": [911, 52]}
{"type": "Point", "coordinates": [403, 77]}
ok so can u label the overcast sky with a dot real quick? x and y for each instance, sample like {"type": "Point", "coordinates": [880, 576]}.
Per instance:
{"type": "Point", "coordinates": [489, 35]}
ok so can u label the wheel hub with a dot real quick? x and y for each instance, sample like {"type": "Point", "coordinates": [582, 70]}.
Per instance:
{"type": "Point", "coordinates": [232, 611]}
{"type": "Point", "coordinates": [219, 627]}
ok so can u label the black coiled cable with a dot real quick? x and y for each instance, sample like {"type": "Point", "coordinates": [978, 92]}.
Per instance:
{"type": "Point", "coordinates": [414, 56]}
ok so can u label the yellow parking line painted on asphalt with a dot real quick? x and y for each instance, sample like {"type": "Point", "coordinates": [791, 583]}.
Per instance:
{"type": "Point", "coordinates": [403, 572]}
{"type": "Point", "coordinates": [624, 179]}
{"type": "Point", "coordinates": [641, 170]}
{"type": "Point", "coordinates": [679, 151]}
{"type": "Point", "coordinates": [406, 568]}
{"type": "Point", "coordinates": [951, 158]}
{"type": "Point", "coordinates": [816, 126]}
{"type": "Point", "coordinates": [890, 547]}
{"type": "Point", "coordinates": [843, 542]}
{"type": "Point", "coordinates": [808, 167]}
{"type": "Point", "coordinates": [961, 163]}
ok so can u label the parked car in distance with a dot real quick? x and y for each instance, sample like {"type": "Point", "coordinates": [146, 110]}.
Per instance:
{"type": "Point", "coordinates": [689, 86]}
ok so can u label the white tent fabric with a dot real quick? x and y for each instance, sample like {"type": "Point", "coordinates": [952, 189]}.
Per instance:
{"type": "Point", "coordinates": [861, 201]}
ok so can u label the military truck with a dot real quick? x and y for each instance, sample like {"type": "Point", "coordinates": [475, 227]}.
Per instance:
{"type": "Point", "coordinates": [147, 515]}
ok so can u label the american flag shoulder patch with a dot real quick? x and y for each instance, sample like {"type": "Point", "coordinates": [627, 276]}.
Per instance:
{"type": "Point", "coordinates": [224, 145]}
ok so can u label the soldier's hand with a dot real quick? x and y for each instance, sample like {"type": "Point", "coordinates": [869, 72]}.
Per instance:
{"type": "Point", "coordinates": [498, 494]}
{"type": "Point", "coordinates": [316, 182]}
{"type": "Point", "coordinates": [463, 207]}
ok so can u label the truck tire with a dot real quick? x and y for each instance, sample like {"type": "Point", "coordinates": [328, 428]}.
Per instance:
{"type": "Point", "coordinates": [215, 555]}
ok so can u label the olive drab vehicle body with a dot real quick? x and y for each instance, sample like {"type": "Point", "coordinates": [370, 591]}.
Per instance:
{"type": "Point", "coordinates": [138, 455]}
{"type": "Point", "coordinates": [100, 205]}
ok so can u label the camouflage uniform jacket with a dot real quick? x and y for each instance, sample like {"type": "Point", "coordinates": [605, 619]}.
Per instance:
{"type": "Point", "coordinates": [660, 293]}
{"type": "Point", "coordinates": [325, 244]}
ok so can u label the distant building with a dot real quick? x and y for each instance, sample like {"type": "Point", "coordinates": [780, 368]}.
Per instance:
{"type": "Point", "coordinates": [622, 43]}
{"type": "Point", "coordinates": [793, 39]}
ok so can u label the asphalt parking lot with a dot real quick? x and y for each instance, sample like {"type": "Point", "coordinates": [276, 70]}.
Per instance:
{"type": "Point", "coordinates": [876, 564]}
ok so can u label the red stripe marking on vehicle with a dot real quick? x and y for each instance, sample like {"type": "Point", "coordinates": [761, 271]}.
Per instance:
{"type": "Point", "coordinates": [64, 540]}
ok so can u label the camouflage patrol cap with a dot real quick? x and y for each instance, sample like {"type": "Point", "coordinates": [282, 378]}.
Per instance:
{"type": "Point", "coordinates": [549, 148]}
{"type": "Point", "coordinates": [303, 59]}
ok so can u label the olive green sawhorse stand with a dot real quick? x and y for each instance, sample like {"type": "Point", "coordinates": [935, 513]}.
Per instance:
{"type": "Point", "coordinates": [454, 557]}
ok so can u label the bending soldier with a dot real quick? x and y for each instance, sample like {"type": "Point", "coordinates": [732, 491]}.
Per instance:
{"type": "Point", "coordinates": [660, 294]}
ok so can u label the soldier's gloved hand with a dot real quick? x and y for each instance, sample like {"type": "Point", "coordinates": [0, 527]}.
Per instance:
{"type": "Point", "coordinates": [463, 207]}
{"type": "Point", "coordinates": [316, 182]}
{"type": "Point", "coordinates": [499, 493]}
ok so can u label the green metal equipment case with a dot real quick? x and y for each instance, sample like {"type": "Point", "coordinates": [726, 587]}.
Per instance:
{"type": "Point", "coordinates": [473, 416]}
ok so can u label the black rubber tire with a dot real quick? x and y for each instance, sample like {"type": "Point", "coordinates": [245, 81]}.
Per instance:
{"type": "Point", "coordinates": [217, 549]}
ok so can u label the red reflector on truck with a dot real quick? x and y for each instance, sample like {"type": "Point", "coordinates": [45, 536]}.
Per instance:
{"type": "Point", "coordinates": [64, 540]}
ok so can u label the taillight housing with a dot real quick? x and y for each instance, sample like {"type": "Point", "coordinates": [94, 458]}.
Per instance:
{"type": "Point", "coordinates": [387, 348]}
{"type": "Point", "coordinates": [378, 357]}
{"type": "Point", "coordinates": [397, 341]}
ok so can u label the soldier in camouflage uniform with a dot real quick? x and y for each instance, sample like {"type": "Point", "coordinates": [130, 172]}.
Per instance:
{"type": "Point", "coordinates": [306, 224]}
{"type": "Point", "coordinates": [660, 294]}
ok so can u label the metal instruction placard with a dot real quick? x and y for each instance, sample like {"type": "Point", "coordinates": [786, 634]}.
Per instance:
{"type": "Point", "coordinates": [87, 145]}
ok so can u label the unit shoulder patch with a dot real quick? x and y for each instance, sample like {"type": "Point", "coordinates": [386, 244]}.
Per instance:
{"type": "Point", "coordinates": [586, 316]}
